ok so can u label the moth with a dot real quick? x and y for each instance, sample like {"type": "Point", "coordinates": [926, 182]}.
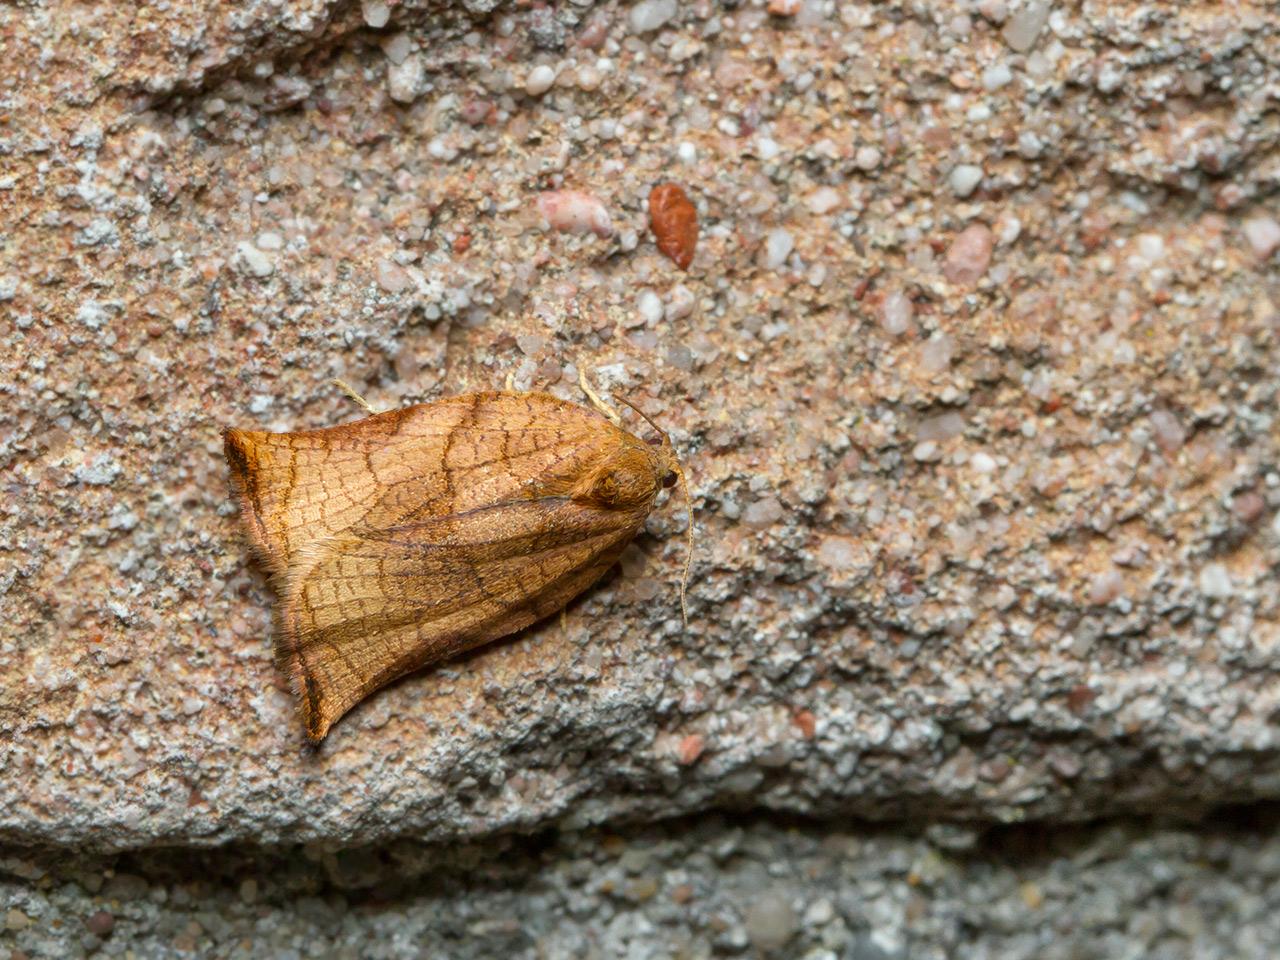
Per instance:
{"type": "Point", "coordinates": [407, 537]}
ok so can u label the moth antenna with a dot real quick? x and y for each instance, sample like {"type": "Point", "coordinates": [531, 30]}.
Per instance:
{"type": "Point", "coordinates": [351, 392]}
{"type": "Point", "coordinates": [688, 547]}
{"type": "Point", "coordinates": [688, 506]}
{"type": "Point", "coordinates": [662, 433]}
{"type": "Point", "coordinates": [610, 414]}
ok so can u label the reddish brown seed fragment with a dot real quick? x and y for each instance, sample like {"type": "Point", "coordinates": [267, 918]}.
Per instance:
{"type": "Point", "coordinates": [674, 222]}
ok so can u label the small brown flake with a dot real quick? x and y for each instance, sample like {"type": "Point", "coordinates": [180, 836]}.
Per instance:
{"type": "Point", "coordinates": [806, 722]}
{"type": "Point", "coordinates": [674, 221]}
{"type": "Point", "coordinates": [100, 924]}
{"type": "Point", "coordinates": [690, 749]}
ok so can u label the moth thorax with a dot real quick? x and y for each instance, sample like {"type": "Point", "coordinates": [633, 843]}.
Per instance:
{"type": "Point", "coordinates": [627, 479]}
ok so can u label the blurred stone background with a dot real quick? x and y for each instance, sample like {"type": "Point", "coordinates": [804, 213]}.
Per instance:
{"type": "Point", "coordinates": [974, 372]}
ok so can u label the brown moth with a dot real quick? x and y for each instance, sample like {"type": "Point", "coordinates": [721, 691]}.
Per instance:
{"type": "Point", "coordinates": [402, 539]}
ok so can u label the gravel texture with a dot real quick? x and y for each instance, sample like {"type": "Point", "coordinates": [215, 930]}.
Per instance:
{"type": "Point", "coordinates": [974, 370]}
{"type": "Point", "coordinates": [688, 890]}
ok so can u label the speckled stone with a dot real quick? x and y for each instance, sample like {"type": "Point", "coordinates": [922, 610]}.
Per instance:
{"type": "Point", "coordinates": [697, 889]}
{"type": "Point", "coordinates": [1054, 611]}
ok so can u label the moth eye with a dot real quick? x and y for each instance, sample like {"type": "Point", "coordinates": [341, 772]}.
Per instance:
{"type": "Point", "coordinates": [655, 441]}
{"type": "Point", "coordinates": [669, 481]}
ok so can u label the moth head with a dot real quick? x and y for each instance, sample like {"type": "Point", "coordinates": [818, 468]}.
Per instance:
{"type": "Point", "coordinates": [669, 473]}
{"type": "Point", "coordinates": [668, 465]}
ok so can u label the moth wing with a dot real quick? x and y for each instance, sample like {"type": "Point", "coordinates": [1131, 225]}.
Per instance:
{"type": "Point", "coordinates": [403, 465]}
{"type": "Point", "coordinates": [365, 607]}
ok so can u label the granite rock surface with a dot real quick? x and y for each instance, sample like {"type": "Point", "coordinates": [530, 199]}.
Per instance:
{"type": "Point", "coordinates": [974, 372]}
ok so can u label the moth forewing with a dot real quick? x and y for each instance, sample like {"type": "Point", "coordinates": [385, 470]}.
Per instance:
{"type": "Point", "coordinates": [408, 537]}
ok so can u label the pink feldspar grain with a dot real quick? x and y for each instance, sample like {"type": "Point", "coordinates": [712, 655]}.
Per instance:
{"type": "Point", "coordinates": [969, 255]}
{"type": "Point", "coordinates": [1169, 432]}
{"type": "Point", "coordinates": [573, 211]}
{"type": "Point", "coordinates": [1263, 234]}
{"type": "Point", "coordinates": [1105, 587]}
{"type": "Point", "coordinates": [763, 513]}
